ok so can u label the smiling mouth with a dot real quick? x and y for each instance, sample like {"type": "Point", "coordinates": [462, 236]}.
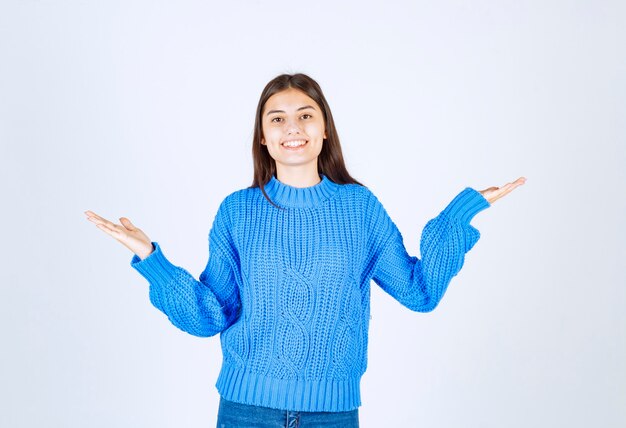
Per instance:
{"type": "Point", "coordinates": [294, 144]}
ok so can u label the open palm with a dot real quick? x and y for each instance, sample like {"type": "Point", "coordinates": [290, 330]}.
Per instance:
{"type": "Point", "coordinates": [126, 233]}
{"type": "Point", "coordinates": [492, 194]}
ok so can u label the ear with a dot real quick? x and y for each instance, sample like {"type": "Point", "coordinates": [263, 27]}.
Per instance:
{"type": "Point", "coordinates": [325, 135]}
{"type": "Point", "coordinates": [263, 141]}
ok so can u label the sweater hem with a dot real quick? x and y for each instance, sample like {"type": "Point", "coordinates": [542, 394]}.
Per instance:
{"type": "Point", "coordinates": [466, 205]}
{"type": "Point", "coordinates": [325, 395]}
{"type": "Point", "coordinates": [156, 268]}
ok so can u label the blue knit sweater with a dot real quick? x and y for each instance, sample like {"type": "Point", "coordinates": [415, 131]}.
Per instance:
{"type": "Point", "coordinates": [289, 290]}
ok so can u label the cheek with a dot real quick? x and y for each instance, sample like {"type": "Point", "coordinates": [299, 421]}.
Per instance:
{"type": "Point", "coordinates": [316, 129]}
{"type": "Point", "coordinates": [269, 134]}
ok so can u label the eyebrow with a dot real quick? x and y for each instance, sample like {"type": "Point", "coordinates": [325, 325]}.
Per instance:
{"type": "Point", "coordinates": [282, 111]}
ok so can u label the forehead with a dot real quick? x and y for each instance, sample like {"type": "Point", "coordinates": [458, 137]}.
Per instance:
{"type": "Point", "coordinates": [289, 100]}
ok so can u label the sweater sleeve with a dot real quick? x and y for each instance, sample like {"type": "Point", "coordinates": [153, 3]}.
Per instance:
{"type": "Point", "coordinates": [201, 307]}
{"type": "Point", "coordinates": [419, 284]}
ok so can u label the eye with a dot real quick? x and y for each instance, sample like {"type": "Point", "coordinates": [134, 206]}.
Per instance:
{"type": "Point", "coordinates": [306, 114]}
{"type": "Point", "coordinates": [274, 119]}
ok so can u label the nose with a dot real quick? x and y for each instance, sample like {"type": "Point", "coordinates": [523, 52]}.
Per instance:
{"type": "Point", "coordinates": [292, 127]}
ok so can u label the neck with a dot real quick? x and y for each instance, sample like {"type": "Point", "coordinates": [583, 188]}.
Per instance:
{"type": "Point", "coordinates": [298, 177]}
{"type": "Point", "coordinates": [300, 197]}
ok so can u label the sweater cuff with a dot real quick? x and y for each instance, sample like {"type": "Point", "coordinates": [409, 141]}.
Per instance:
{"type": "Point", "coordinates": [466, 205]}
{"type": "Point", "coordinates": [156, 268]}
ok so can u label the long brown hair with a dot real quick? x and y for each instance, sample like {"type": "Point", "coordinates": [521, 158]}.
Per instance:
{"type": "Point", "coordinates": [330, 160]}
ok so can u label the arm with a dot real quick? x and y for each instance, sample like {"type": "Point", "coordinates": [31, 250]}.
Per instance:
{"type": "Point", "coordinates": [201, 307]}
{"type": "Point", "coordinates": [420, 284]}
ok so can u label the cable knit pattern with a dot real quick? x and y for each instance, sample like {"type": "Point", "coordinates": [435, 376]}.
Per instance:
{"type": "Point", "coordinates": [289, 290]}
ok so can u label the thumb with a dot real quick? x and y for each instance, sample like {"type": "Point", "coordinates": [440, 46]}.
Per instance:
{"type": "Point", "coordinates": [127, 224]}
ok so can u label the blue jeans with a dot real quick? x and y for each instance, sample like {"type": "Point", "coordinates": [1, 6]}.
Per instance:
{"type": "Point", "coordinates": [237, 415]}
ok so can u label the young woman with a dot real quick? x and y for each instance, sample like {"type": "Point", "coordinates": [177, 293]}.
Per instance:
{"type": "Point", "coordinates": [291, 258]}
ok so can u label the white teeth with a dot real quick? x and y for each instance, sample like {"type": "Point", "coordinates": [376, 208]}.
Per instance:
{"type": "Point", "coordinates": [295, 143]}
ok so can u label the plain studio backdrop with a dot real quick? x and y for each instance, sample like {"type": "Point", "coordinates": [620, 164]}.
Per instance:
{"type": "Point", "coordinates": [145, 109]}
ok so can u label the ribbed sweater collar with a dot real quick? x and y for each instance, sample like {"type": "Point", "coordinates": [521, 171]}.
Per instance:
{"type": "Point", "coordinates": [300, 197]}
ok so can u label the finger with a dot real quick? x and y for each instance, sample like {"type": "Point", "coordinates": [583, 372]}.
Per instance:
{"type": "Point", "coordinates": [518, 182]}
{"type": "Point", "coordinates": [488, 189]}
{"type": "Point", "coordinates": [115, 230]}
{"type": "Point", "coordinates": [101, 220]}
{"type": "Point", "coordinates": [127, 224]}
{"type": "Point", "coordinates": [110, 231]}
{"type": "Point", "coordinates": [91, 214]}
{"type": "Point", "coordinates": [506, 189]}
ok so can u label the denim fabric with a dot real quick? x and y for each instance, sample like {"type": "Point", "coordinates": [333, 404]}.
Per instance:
{"type": "Point", "coordinates": [237, 415]}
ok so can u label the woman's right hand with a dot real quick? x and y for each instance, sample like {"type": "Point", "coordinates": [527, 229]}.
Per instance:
{"type": "Point", "coordinates": [130, 236]}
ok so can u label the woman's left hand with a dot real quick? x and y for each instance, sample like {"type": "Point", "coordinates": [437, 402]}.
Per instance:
{"type": "Point", "coordinates": [492, 194]}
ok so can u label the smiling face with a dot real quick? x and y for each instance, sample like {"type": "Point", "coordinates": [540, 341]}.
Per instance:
{"type": "Point", "coordinates": [293, 129]}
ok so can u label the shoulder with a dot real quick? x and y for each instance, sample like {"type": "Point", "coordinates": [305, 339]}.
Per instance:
{"type": "Point", "coordinates": [368, 200]}
{"type": "Point", "coordinates": [232, 198]}
{"type": "Point", "coordinates": [358, 198]}
{"type": "Point", "coordinates": [238, 204]}
{"type": "Point", "coordinates": [230, 203]}
{"type": "Point", "coordinates": [361, 202]}
{"type": "Point", "coordinates": [355, 191]}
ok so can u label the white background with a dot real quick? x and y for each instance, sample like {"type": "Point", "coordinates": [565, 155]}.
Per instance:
{"type": "Point", "coordinates": [145, 109]}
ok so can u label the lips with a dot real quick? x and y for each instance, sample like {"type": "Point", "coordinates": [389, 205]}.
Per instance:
{"type": "Point", "coordinates": [294, 143]}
